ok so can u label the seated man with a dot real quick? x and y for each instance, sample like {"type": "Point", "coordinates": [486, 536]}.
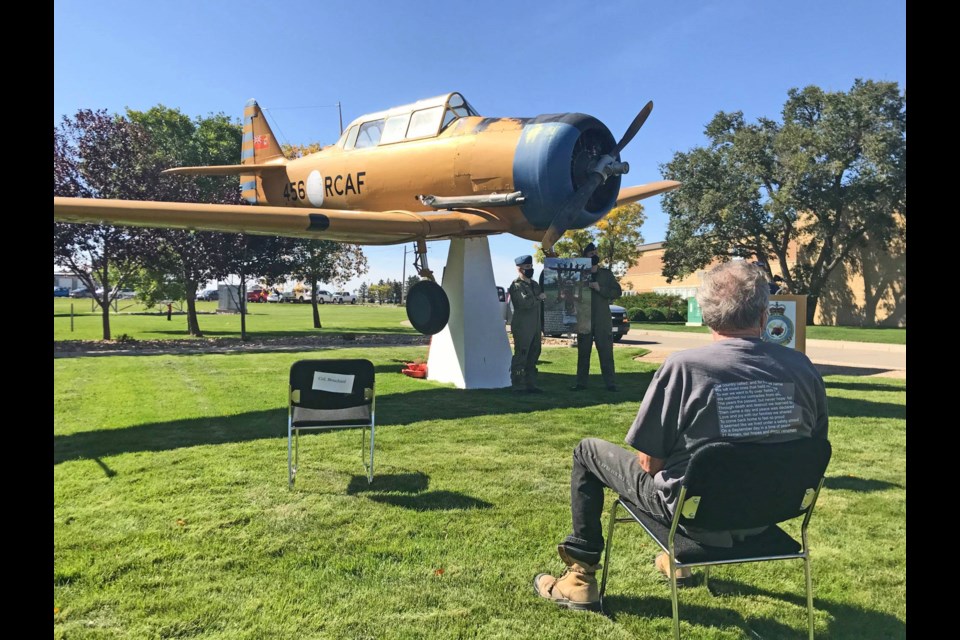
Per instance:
{"type": "Point", "coordinates": [719, 392]}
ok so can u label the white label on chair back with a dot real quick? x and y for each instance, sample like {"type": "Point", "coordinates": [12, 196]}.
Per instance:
{"type": "Point", "coordinates": [332, 382]}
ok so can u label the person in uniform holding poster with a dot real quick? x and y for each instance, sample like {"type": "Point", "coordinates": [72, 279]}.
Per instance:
{"type": "Point", "coordinates": [605, 289]}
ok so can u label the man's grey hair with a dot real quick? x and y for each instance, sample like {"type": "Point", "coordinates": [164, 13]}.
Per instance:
{"type": "Point", "coordinates": [733, 295]}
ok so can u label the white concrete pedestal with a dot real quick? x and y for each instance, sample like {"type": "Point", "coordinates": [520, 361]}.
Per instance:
{"type": "Point", "coordinates": [472, 351]}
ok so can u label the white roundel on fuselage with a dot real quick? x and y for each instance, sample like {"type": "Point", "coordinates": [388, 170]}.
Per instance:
{"type": "Point", "coordinates": [315, 188]}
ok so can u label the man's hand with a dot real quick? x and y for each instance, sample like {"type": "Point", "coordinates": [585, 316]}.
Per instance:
{"type": "Point", "coordinates": [595, 286]}
{"type": "Point", "coordinates": [542, 296]}
{"type": "Point", "coordinates": [650, 464]}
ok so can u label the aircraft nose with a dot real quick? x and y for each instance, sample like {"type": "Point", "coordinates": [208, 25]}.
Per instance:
{"type": "Point", "coordinates": [553, 158]}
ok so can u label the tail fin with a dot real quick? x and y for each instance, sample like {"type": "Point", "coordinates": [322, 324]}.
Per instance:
{"type": "Point", "coordinates": [259, 145]}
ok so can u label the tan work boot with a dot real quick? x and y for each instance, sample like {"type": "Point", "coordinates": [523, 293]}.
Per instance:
{"type": "Point", "coordinates": [576, 588]}
{"type": "Point", "coordinates": [684, 575]}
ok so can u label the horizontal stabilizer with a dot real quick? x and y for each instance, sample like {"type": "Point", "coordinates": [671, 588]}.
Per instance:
{"type": "Point", "coordinates": [225, 170]}
{"type": "Point", "coordinates": [632, 194]}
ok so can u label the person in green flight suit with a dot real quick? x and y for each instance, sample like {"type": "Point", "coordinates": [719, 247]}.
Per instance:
{"type": "Point", "coordinates": [526, 296]}
{"type": "Point", "coordinates": [605, 289]}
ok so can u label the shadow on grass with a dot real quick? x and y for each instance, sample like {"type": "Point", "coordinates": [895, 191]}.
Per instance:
{"type": "Point", "coordinates": [393, 410]}
{"type": "Point", "coordinates": [896, 385]}
{"type": "Point", "coordinates": [384, 489]}
{"type": "Point", "coordinates": [865, 485]}
{"type": "Point", "coordinates": [845, 621]}
{"type": "Point", "coordinates": [850, 370]}
{"type": "Point", "coordinates": [395, 483]}
{"type": "Point", "coordinates": [859, 408]}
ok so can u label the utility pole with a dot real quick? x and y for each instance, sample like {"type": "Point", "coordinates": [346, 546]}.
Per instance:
{"type": "Point", "coordinates": [403, 280]}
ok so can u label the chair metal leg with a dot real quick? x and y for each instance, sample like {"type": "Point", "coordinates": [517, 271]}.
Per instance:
{"type": "Point", "coordinates": [290, 469]}
{"type": "Point", "coordinates": [606, 552]}
{"type": "Point", "coordinates": [363, 440]}
{"type": "Point", "coordinates": [806, 570]}
{"type": "Point", "coordinates": [673, 596]}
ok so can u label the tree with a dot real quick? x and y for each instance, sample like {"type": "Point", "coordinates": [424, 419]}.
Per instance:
{"type": "Point", "coordinates": [828, 177]}
{"type": "Point", "coordinates": [265, 258]}
{"type": "Point", "coordinates": [617, 237]}
{"type": "Point", "coordinates": [191, 258]}
{"type": "Point", "coordinates": [363, 292]}
{"type": "Point", "coordinates": [102, 156]}
{"type": "Point", "coordinates": [315, 261]}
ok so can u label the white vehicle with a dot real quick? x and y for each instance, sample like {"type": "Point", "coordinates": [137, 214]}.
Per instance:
{"type": "Point", "coordinates": [275, 297]}
{"type": "Point", "coordinates": [297, 293]}
{"type": "Point", "coordinates": [345, 296]}
{"type": "Point", "coordinates": [324, 296]}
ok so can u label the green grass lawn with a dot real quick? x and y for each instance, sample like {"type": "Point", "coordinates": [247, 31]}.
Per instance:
{"type": "Point", "coordinates": [172, 516]}
{"type": "Point", "coordinates": [263, 320]}
{"type": "Point", "coordinates": [884, 335]}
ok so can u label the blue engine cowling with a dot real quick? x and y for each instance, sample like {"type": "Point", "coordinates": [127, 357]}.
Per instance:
{"type": "Point", "coordinates": [552, 159]}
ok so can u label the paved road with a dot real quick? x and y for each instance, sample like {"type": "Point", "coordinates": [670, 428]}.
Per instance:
{"type": "Point", "coordinates": [830, 356]}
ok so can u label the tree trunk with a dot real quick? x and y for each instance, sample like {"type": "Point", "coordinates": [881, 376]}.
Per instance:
{"type": "Point", "coordinates": [812, 301]}
{"type": "Point", "coordinates": [316, 308]}
{"type": "Point", "coordinates": [105, 302]}
{"type": "Point", "coordinates": [243, 309]}
{"type": "Point", "coordinates": [193, 323]}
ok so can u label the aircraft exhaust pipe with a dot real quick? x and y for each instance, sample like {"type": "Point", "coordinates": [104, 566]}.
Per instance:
{"type": "Point", "coordinates": [489, 200]}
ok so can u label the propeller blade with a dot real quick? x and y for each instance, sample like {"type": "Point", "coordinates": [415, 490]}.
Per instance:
{"type": "Point", "coordinates": [633, 128]}
{"type": "Point", "coordinates": [568, 212]}
{"type": "Point", "coordinates": [575, 203]}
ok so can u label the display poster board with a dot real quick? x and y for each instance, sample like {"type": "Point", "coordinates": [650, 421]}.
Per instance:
{"type": "Point", "coordinates": [787, 322]}
{"type": "Point", "coordinates": [694, 315]}
{"type": "Point", "coordinates": [566, 283]}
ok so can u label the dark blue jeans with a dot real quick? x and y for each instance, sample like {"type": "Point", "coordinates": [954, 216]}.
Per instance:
{"type": "Point", "coordinates": [598, 464]}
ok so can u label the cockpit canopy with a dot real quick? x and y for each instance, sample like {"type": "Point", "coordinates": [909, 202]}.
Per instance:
{"type": "Point", "coordinates": [422, 119]}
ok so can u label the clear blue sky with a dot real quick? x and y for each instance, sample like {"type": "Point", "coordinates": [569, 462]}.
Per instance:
{"type": "Point", "coordinates": [605, 58]}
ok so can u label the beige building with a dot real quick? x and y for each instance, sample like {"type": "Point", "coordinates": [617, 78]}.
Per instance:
{"type": "Point", "coordinates": [869, 289]}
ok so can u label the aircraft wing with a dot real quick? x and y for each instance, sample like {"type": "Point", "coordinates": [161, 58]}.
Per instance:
{"type": "Point", "coordinates": [632, 194]}
{"type": "Point", "coordinates": [359, 227]}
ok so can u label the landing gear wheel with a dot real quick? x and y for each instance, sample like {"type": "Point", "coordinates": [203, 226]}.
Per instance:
{"type": "Point", "coordinates": [428, 307]}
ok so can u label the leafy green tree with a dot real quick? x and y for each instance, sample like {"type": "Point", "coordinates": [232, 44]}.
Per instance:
{"type": "Point", "coordinates": [315, 261]}
{"type": "Point", "coordinates": [617, 237]}
{"type": "Point", "coordinates": [97, 155]}
{"type": "Point", "coordinates": [826, 178]}
{"type": "Point", "coordinates": [191, 258]}
{"type": "Point", "coordinates": [363, 292]}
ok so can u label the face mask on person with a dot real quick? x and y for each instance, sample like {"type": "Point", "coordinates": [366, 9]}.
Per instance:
{"type": "Point", "coordinates": [594, 259]}
{"type": "Point", "coordinates": [528, 273]}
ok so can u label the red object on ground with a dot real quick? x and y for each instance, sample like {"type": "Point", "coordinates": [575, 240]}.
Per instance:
{"type": "Point", "coordinates": [415, 370]}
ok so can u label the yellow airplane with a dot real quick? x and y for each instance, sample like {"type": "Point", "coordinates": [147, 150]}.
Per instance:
{"type": "Point", "coordinates": [431, 170]}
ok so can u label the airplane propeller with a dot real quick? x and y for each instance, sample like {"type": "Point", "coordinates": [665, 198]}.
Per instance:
{"type": "Point", "coordinates": [604, 167]}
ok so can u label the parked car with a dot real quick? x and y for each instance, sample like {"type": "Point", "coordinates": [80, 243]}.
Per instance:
{"type": "Point", "coordinates": [619, 321]}
{"type": "Point", "coordinates": [506, 309]}
{"type": "Point", "coordinates": [345, 296]}
{"type": "Point", "coordinates": [61, 292]}
{"type": "Point", "coordinates": [126, 294]}
{"type": "Point", "coordinates": [297, 293]}
{"type": "Point", "coordinates": [257, 294]}
{"type": "Point", "coordinates": [324, 296]}
{"type": "Point", "coordinates": [209, 295]}
{"type": "Point", "coordinates": [275, 296]}
{"type": "Point", "coordinates": [81, 292]}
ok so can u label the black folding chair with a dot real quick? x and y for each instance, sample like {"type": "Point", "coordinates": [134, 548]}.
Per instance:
{"type": "Point", "coordinates": [330, 394]}
{"type": "Point", "coordinates": [736, 486]}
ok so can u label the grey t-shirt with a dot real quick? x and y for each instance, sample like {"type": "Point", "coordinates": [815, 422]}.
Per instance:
{"type": "Point", "coordinates": [740, 389]}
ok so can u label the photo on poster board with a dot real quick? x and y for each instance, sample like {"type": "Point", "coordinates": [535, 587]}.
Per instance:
{"type": "Point", "coordinates": [787, 322]}
{"type": "Point", "coordinates": [566, 283]}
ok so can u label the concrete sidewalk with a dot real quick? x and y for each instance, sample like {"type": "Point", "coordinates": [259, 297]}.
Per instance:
{"type": "Point", "coordinates": [832, 357]}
